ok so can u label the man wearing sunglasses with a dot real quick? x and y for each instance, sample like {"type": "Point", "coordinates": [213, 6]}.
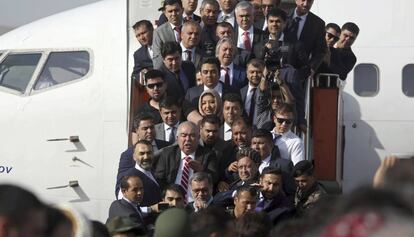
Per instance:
{"type": "Point", "coordinates": [290, 145]}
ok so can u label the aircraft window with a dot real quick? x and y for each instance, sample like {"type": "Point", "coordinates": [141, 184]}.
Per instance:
{"type": "Point", "coordinates": [62, 67]}
{"type": "Point", "coordinates": [408, 80]}
{"type": "Point", "coordinates": [366, 80]}
{"type": "Point", "coordinates": [16, 70]}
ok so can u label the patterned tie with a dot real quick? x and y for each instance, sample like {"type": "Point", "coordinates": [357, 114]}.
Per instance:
{"type": "Point", "coordinates": [186, 173]}
{"type": "Point", "coordinates": [178, 29]}
{"type": "Point", "coordinates": [171, 138]}
{"type": "Point", "coordinates": [189, 55]}
{"type": "Point", "coordinates": [226, 76]}
{"type": "Point", "coordinates": [246, 41]}
{"type": "Point", "coordinates": [252, 104]}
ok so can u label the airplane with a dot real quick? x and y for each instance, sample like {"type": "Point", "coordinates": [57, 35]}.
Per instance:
{"type": "Point", "coordinates": [66, 98]}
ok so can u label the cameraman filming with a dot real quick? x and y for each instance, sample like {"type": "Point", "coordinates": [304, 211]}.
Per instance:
{"type": "Point", "coordinates": [289, 57]}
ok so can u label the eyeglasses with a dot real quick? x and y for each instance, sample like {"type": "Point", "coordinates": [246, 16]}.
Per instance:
{"type": "Point", "coordinates": [330, 36]}
{"type": "Point", "coordinates": [158, 85]}
{"type": "Point", "coordinates": [283, 120]}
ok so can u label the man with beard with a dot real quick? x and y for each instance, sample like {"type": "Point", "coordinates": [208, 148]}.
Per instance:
{"type": "Point", "coordinates": [272, 199]}
{"type": "Point", "coordinates": [144, 157]}
{"type": "Point", "coordinates": [177, 163]}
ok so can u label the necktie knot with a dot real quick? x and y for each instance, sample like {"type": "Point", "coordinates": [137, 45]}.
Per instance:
{"type": "Point", "coordinates": [178, 30]}
{"type": "Point", "coordinates": [298, 19]}
{"type": "Point", "coordinates": [246, 33]}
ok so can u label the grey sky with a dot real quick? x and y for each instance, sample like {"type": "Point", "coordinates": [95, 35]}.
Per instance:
{"type": "Point", "coordinates": [14, 13]}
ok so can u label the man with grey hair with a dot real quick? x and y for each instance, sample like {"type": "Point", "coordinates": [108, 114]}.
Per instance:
{"type": "Point", "coordinates": [231, 73]}
{"type": "Point", "coordinates": [177, 163]}
{"type": "Point", "coordinates": [190, 38]}
{"type": "Point", "coordinates": [201, 191]}
{"type": "Point", "coordinates": [247, 35]}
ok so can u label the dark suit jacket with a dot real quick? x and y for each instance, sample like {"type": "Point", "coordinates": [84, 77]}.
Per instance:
{"type": "Point", "coordinates": [142, 60]}
{"type": "Point", "coordinates": [169, 162]}
{"type": "Point", "coordinates": [258, 36]}
{"type": "Point", "coordinates": [342, 62]}
{"type": "Point", "coordinates": [218, 148]}
{"type": "Point", "coordinates": [193, 94]}
{"type": "Point", "coordinates": [125, 209]}
{"type": "Point", "coordinates": [312, 37]}
{"type": "Point", "coordinates": [243, 93]}
{"type": "Point", "coordinates": [173, 86]}
{"type": "Point", "coordinates": [239, 77]}
{"type": "Point", "coordinates": [162, 19]}
{"type": "Point", "coordinates": [208, 41]}
{"type": "Point", "coordinates": [152, 191]}
{"type": "Point", "coordinates": [279, 208]}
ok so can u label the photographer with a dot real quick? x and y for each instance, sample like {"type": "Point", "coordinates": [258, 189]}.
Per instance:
{"type": "Point", "coordinates": [288, 56]}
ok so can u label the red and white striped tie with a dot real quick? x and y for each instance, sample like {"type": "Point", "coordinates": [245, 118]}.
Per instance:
{"type": "Point", "coordinates": [186, 173]}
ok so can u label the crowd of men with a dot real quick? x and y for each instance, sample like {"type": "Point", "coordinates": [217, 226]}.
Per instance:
{"type": "Point", "coordinates": [226, 93]}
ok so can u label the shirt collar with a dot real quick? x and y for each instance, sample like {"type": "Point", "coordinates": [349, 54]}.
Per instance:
{"type": "Point", "coordinates": [303, 17]}
{"type": "Point", "coordinates": [250, 30]}
{"type": "Point", "coordinates": [183, 155]}
{"type": "Point", "coordinates": [218, 88]}
{"type": "Point", "coordinates": [267, 160]}
{"type": "Point", "coordinates": [166, 126]}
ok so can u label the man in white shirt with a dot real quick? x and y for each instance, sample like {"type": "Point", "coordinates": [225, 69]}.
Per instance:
{"type": "Point", "coordinates": [190, 38]}
{"type": "Point", "coordinates": [227, 12]}
{"type": "Point", "coordinates": [290, 145]}
{"type": "Point", "coordinates": [232, 111]}
{"type": "Point", "coordinates": [170, 111]}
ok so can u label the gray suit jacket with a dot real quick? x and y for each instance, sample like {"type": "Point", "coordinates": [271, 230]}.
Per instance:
{"type": "Point", "coordinates": [160, 132]}
{"type": "Point", "coordinates": [162, 34]}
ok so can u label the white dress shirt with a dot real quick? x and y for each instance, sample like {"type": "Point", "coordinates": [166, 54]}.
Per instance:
{"type": "Point", "coordinates": [227, 132]}
{"type": "Point", "coordinates": [177, 36]}
{"type": "Point", "coordinates": [290, 146]}
{"type": "Point", "coordinates": [230, 18]}
{"type": "Point", "coordinates": [249, 98]}
{"type": "Point", "coordinates": [180, 174]}
{"type": "Point", "coordinates": [265, 163]}
{"type": "Point", "coordinates": [240, 42]}
{"type": "Point", "coordinates": [223, 73]}
{"type": "Point", "coordinates": [301, 22]}
{"type": "Point", "coordinates": [218, 88]}
{"type": "Point", "coordinates": [168, 130]}
{"type": "Point", "coordinates": [184, 53]}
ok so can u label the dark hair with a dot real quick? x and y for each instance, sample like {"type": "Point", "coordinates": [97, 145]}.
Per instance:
{"type": "Point", "coordinates": [255, 62]}
{"type": "Point", "coordinates": [144, 142]}
{"type": "Point", "coordinates": [303, 167]}
{"type": "Point", "coordinates": [232, 97]}
{"type": "Point", "coordinates": [175, 188]}
{"type": "Point", "coordinates": [213, 119]}
{"type": "Point", "coordinates": [145, 23]}
{"type": "Point", "coordinates": [169, 101]}
{"type": "Point", "coordinates": [56, 218]}
{"type": "Point", "coordinates": [249, 152]}
{"type": "Point", "coordinates": [210, 220]}
{"type": "Point", "coordinates": [263, 133]}
{"type": "Point", "coordinates": [225, 24]}
{"type": "Point", "coordinates": [16, 203]}
{"type": "Point", "coordinates": [141, 117]}
{"type": "Point", "coordinates": [201, 176]}
{"type": "Point", "coordinates": [124, 181]}
{"type": "Point", "coordinates": [276, 12]}
{"type": "Point", "coordinates": [351, 27]}
{"type": "Point", "coordinates": [333, 26]}
{"type": "Point", "coordinates": [285, 109]}
{"type": "Point", "coordinates": [210, 2]}
{"type": "Point", "coordinates": [253, 224]}
{"type": "Point", "coordinates": [241, 121]}
{"type": "Point", "coordinates": [246, 188]}
{"type": "Point", "coordinates": [170, 47]}
{"type": "Point", "coordinates": [271, 170]}
{"type": "Point", "coordinates": [171, 2]}
{"type": "Point", "coordinates": [211, 60]}
{"type": "Point", "coordinates": [153, 73]}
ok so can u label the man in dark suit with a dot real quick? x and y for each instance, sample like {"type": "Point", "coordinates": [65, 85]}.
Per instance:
{"type": "Point", "coordinates": [201, 191]}
{"type": "Point", "coordinates": [227, 12]}
{"type": "Point", "coordinates": [273, 202]}
{"type": "Point", "coordinates": [170, 110]}
{"type": "Point", "coordinates": [177, 163]}
{"type": "Point", "coordinates": [209, 11]}
{"type": "Point", "coordinates": [173, 10]}
{"type": "Point", "coordinates": [232, 111]}
{"type": "Point", "coordinates": [266, 6]}
{"type": "Point", "coordinates": [179, 75]}
{"type": "Point", "coordinates": [190, 39]}
{"type": "Point", "coordinates": [210, 71]}
{"type": "Point", "coordinates": [143, 56]}
{"type": "Point", "coordinates": [143, 127]}
{"type": "Point", "coordinates": [132, 189]}
{"type": "Point", "coordinates": [144, 158]}
{"type": "Point", "coordinates": [249, 93]}
{"type": "Point", "coordinates": [189, 7]}
{"type": "Point", "coordinates": [246, 34]}
{"type": "Point", "coordinates": [231, 73]}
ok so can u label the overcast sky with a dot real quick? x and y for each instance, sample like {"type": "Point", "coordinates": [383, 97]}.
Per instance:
{"type": "Point", "coordinates": [14, 13]}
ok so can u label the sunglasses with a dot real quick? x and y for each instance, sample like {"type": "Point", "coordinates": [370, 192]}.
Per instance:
{"type": "Point", "coordinates": [283, 120]}
{"type": "Point", "coordinates": [330, 36]}
{"type": "Point", "coordinates": [158, 85]}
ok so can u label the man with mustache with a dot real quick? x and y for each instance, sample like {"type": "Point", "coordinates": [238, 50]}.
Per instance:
{"type": "Point", "coordinates": [177, 163]}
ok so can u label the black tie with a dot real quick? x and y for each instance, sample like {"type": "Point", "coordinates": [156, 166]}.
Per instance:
{"type": "Point", "coordinates": [295, 27]}
{"type": "Point", "coordinates": [252, 104]}
{"type": "Point", "coordinates": [189, 56]}
{"type": "Point", "coordinates": [171, 138]}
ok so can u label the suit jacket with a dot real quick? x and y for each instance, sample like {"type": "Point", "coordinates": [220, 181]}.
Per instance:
{"type": "Point", "coordinates": [208, 41]}
{"type": "Point", "coordinates": [152, 191]}
{"type": "Point", "coordinates": [125, 209]}
{"type": "Point", "coordinates": [239, 76]}
{"type": "Point", "coordinates": [142, 60]}
{"type": "Point", "coordinates": [160, 132]}
{"type": "Point", "coordinates": [258, 36]}
{"type": "Point", "coordinates": [162, 34]}
{"type": "Point", "coordinates": [279, 208]}
{"type": "Point", "coordinates": [162, 19]}
{"type": "Point", "coordinates": [243, 92]}
{"type": "Point", "coordinates": [312, 37]}
{"type": "Point", "coordinates": [127, 161]}
{"type": "Point", "coordinates": [173, 86]}
{"type": "Point", "coordinates": [218, 148]}
{"type": "Point", "coordinates": [169, 162]}
{"type": "Point", "coordinates": [193, 94]}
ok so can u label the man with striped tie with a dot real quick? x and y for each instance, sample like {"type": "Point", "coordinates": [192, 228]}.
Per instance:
{"type": "Point", "coordinates": [177, 163]}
